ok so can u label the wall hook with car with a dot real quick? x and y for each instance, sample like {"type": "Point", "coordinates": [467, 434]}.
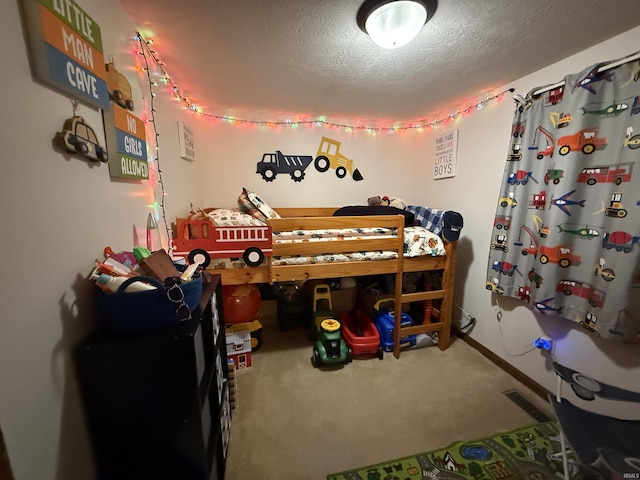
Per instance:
{"type": "Point", "coordinates": [78, 137]}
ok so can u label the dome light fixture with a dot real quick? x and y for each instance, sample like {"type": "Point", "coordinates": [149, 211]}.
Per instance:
{"type": "Point", "coordinates": [394, 23]}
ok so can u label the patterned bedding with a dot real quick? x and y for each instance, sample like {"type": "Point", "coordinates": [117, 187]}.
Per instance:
{"type": "Point", "coordinates": [418, 241]}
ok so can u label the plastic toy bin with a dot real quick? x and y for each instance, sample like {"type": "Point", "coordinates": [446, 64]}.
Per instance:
{"type": "Point", "coordinates": [137, 312]}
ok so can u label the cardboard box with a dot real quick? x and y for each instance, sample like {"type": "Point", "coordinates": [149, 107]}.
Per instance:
{"type": "Point", "coordinates": [268, 313]}
{"type": "Point", "coordinates": [344, 299]}
{"type": "Point", "coordinates": [366, 300]}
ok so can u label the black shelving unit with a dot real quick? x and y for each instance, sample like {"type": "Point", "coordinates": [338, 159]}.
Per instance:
{"type": "Point", "coordinates": [157, 404]}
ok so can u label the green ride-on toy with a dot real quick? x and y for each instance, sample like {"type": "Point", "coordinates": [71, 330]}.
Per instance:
{"type": "Point", "coordinates": [330, 348]}
{"type": "Point", "coordinates": [322, 308]}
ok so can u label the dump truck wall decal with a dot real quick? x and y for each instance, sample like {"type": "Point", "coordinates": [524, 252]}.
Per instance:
{"type": "Point", "coordinates": [327, 157]}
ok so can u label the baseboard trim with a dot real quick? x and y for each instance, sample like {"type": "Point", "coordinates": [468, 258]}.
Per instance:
{"type": "Point", "coordinates": [506, 366]}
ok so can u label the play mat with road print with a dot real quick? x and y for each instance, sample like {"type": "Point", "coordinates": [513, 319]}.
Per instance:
{"type": "Point", "coordinates": [529, 452]}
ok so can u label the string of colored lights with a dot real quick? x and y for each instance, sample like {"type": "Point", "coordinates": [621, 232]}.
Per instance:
{"type": "Point", "coordinates": [152, 120]}
{"type": "Point", "coordinates": [180, 96]}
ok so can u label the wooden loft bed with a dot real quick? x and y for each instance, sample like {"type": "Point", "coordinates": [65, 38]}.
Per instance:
{"type": "Point", "coordinates": [321, 218]}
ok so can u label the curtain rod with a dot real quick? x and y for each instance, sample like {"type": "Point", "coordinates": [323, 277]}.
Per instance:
{"type": "Point", "coordinates": [603, 68]}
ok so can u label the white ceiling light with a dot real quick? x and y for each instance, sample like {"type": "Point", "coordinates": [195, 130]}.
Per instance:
{"type": "Point", "coordinates": [394, 23]}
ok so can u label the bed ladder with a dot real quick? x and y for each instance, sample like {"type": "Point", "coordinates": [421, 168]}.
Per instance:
{"type": "Point", "coordinates": [443, 314]}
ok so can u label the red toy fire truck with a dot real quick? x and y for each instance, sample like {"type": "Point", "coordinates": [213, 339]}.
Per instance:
{"type": "Point", "coordinates": [201, 240]}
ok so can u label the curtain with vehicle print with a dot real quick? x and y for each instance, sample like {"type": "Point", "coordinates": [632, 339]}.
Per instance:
{"type": "Point", "coordinates": [566, 232]}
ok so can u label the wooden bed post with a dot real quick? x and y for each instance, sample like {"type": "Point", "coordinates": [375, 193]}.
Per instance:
{"type": "Point", "coordinates": [397, 313]}
{"type": "Point", "coordinates": [446, 309]}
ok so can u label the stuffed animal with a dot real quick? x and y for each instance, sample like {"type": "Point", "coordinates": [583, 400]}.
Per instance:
{"type": "Point", "coordinates": [387, 201]}
{"type": "Point", "coordinates": [374, 201]}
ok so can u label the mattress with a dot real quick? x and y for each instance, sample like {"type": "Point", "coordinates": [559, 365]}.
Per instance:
{"type": "Point", "coordinates": [418, 241]}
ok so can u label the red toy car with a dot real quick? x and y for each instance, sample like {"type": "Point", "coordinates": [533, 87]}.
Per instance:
{"type": "Point", "coordinates": [360, 333]}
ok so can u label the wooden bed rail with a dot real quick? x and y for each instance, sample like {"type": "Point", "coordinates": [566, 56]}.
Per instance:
{"type": "Point", "coordinates": [313, 223]}
{"type": "Point", "coordinates": [288, 212]}
{"type": "Point", "coordinates": [281, 273]}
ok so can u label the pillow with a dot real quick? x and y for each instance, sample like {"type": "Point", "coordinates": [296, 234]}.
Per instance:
{"type": "Point", "coordinates": [228, 218]}
{"type": "Point", "coordinates": [429, 218]}
{"type": "Point", "coordinates": [355, 210]}
{"type": "Point", "coordinates": [252, 204]}
{"type": "Point", "coordinates": [446, 223]}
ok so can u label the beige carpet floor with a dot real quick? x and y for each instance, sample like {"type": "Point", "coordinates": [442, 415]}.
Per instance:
{"type": "Point", "coordinates": [295, 422]}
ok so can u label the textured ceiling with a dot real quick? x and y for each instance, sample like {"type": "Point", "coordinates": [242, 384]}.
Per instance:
{"type": "Point", "coordinates": [258, 59]}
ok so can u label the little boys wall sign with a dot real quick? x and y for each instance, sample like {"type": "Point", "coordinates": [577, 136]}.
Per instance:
{"type": "Point", "coordinates": [446, 155]}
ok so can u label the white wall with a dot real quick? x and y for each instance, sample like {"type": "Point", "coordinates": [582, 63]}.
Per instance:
{"type": "Point", "coordinates": [58, 212]}
{"type": "Point", "coordinates": [230, 153]}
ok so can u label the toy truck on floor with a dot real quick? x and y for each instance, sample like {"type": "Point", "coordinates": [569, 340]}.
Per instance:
{"type": "Point", "coordinates": [201, 240]}
{"type": "Point", "coordinates": [330, 348]}
{"type": "Point", "coordinates": [385, 324]}
{"type": "Point", "coordinates": [274, 163]}
{"type": "Point", "coordinates": [360, 333]}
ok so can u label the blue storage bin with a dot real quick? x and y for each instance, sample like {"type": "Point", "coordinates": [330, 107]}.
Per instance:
{"type": "Point", "coordinates": [138, 312]}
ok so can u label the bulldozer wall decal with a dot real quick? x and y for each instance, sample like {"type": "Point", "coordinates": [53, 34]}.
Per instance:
{"type": "Point", "coordinates": [328, 156]}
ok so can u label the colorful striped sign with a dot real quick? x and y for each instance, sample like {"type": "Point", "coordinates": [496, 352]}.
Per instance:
{"type": "Point", "coordinates": [129, 167]}
{"type": "Point", "coordinates": [66, 47]}
{"type": "Point", "coordinates": [67, 41]}
{"type": "Point", "coordinates": [77, 19]}
{"type": "Point", "coordinates": [129, 123]}
{"type": "Point", "coordinates": [126, 135]}
{"type": "Point", "coordinates": [73, 77]}
{"type": "Point", "coordinates": [132, 146]}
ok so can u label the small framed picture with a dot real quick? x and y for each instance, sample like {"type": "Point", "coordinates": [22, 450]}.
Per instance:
{"type": "Point", "coordinates": [185, 139]}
